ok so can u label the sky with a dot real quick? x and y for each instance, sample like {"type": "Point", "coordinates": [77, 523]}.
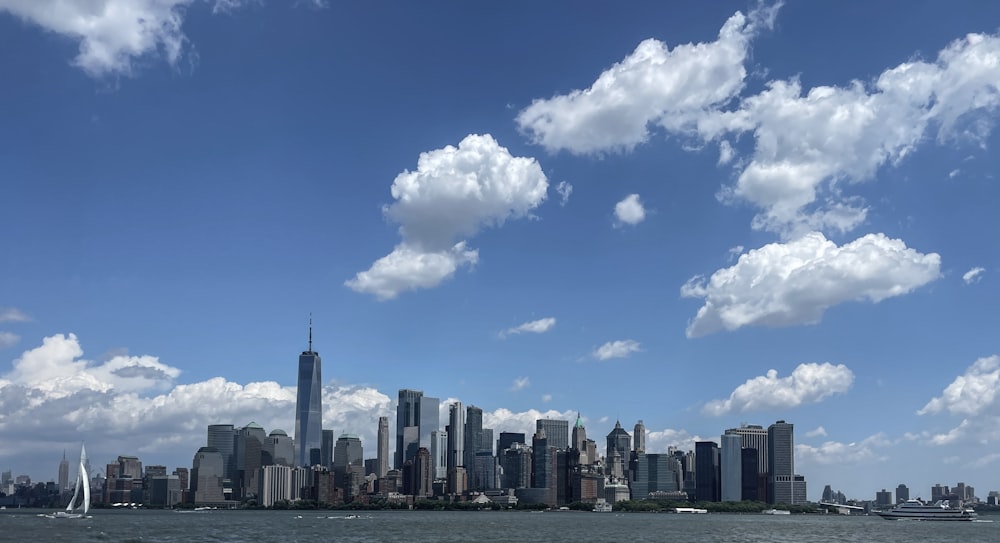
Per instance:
{"type": "Point", "coordinates": [694, 214]}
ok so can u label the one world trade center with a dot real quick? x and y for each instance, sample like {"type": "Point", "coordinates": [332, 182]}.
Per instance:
{"type": "Point", "coordinates": [309, 407]}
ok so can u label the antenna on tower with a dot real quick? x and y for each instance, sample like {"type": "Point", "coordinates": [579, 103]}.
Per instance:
{"type": "Point", "coordinates": [310, 332]}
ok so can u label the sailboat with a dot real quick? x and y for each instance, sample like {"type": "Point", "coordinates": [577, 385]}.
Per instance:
{"type": "Point", "coordinates": [79, 509]}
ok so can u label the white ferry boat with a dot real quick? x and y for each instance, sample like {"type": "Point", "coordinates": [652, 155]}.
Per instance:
{"type": "Point", "coordinates": [918, 510]}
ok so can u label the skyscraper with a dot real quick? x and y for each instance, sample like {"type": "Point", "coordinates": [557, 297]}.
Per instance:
{"type": "Point", "coordinates": [781, 462]}
{"type": "Point", "coordinates": [407, 416]}
{"type": "Point", "coordinates": [64, 473]}
{"type": "Point", "coordinates": [619, 440]}
{"type": "Point", "coordinates": [639, 437]}
{"type": "Point", "coordinates": [309, 406]}
{"type": "Point", "coordinates": [221, 437]}
{"type": "Point", "coordinates": [731, 468]}
{"type": "Point", "coordinates": [706, 467]}
{"type": "Point", "coordinates": [473, 442]}
{"type": "Point", "coordinates": [382, 454]}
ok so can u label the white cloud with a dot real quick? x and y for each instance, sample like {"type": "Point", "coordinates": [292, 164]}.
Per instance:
{"type": "Point", "coordinates": [616, 349]}
{"type": "Point", "coordinates": [818, 432]}
{"type": "Point", "coordinates": [454, 192]}
{"type": "Point", "coordinates": [971, 393]}
{"type": "Point", "coordinates": [954, 173]}
{"type": "Point", "coordinates": [539, 326]}
{"type": "Point", "coordinates": [546, 398]}
{"type": "Point", "coordinates": [112, 33]}
{"type": "Point", "coordinates": [53, 398]}
{"type": "Point", "coordinates": [520, 383]}
{"type": "Point", "coordinates": [808, 383]}
{"type": "Point", "coordinates": [809, 142]}
{"type": "Point", "coordinates": [659, 441]}
{"type": "Point", "coordinates": [836, 453]}
{"type": "Point", "coordinates": [726, 152]}
{"type": "Point", "coordinates": [973, 275]}
{"type": "Point", "coordinates": [505, 420]}
{"type": "Point", "coordinates": [785, 284]}
{"type": "Point", "coordinates": [406, 268]}
{"type": "Point", "coordinates": [13, 314]}
{"type": "Point", "coordinates": [564, 189]}
{"type": "Point", "coordinates": [630, 210]}
{"type": "Point", "coordinates": [8, 339]}
{"type": "Point", "coordinates": [649, 85]}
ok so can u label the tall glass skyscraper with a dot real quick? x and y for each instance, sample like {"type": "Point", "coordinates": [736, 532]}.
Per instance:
{"type": "Point", "coordinates": [309, 406]}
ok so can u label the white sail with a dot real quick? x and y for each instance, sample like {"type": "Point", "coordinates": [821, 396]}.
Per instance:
{"type": "Point", "coordinates": [82, 483]}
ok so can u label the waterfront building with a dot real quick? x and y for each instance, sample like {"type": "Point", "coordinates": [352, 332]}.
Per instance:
{"type": "Point", "coordinates": [280, 483]}
{"type": "Point", "coordinates": [515, 462]}
{"type": "Point", "coordinates": [653, 473]}
{"type": "Point", "coordinates": [750, 478]}
{"type": "Point", "coordinates": [348, 457]}
{"type": "Point", "coordinates": [706, 467]}
{"type": "Point", "coordinates": [382, 448]}
{"type": "Point", "coordinates": [207, 473]}
{"type": "Point", "coordinates": [883, 498]}
{"type": "Point", "coordinates": [473, 443]}
{"type": "Point", "coordinates": [754, 436]}
{"type": "Point", "coordinates": [248, 458]}
{"type": "Point", "coordinates": [309, 407]}
{"type": "Point", "coordinates": [422, 481]}
{"type": "Point", "coordinates": [416, 418]}
{"type": "Point", "coordinates": [456, 436]}
{"type": "Point", "coordinates": [556, 432]}
{"type": "Point", "coordinates": [730, 469]}
{"type": "Point", "coordinates": [544, 467]}
{"type": "Point", "coordinates": [164, 491]}
{"type": "Point", "coordinates": [222, 437]}
{"type": "Point", "coordinates": [429, 420]}
{"type": "Point", "coordinates": [784, 486]}
{"type": "Point", "coordinates": [578, 439]}
{"type": "Point", "coordinates": [902, 493]}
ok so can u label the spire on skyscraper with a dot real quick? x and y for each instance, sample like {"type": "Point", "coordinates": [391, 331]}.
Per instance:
{"type": "Point", "coordinates": [310, 332]}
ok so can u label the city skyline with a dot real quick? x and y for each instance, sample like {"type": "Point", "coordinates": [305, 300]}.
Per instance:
{"type": "Point", "coordinates": [691, 215]}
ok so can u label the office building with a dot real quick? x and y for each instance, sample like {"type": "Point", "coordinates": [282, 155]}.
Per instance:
{"type": "Point", "coordinates": [507, 439]}
{"type": "Point", "coordinates": [654, 473]}
{"type": "Point", "coordinates": [416, 418]}
{"type": "Point", "coordinates": [309, 407]}
{"type": "Point", "coordinates": [706, 476]}
{"type": "Point", "coordinates": [750, 478]}
{"type": "Point", "coordinates": [639, 437]}
{"type": "Point", "coordinates": [556, 432]}
{"type": "Point", "coordinates": [326, 449]}
{"type": "Point", "coordinates": [473, 443]}
{"type": "Point", "coordinates": [439, 454]}
{"type": "Point", "coordinates": [731, 468]}
{"type": "Point", "coordinates": [347, 453]}
{"type": "Point", "coordinates": [902, 493]}
{"type": "Point", "coordinates": [619, 441]}
{"type": "Point", "coordinates": [784, 486]}
{"type": "Point", "coordinates": [278, 449]}
{"type": "Point", "coordinates": [63, 473]}
{"type": "Point", "coordinates": [382, 451]}
{"type": "Point", "coordinates": [207, 473]}
{"type": "Point", "coordinates": [222, 437]}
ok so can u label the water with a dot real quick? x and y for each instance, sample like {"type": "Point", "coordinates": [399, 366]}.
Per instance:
{"type": "Point", "coordinates": [486, 526]}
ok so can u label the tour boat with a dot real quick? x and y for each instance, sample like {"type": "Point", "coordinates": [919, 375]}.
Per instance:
{"type": "Point", "coordinates": [918, 510]}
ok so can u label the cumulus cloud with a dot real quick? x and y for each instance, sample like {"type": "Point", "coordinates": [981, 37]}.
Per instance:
{"type": "Point", "coordinates": [505, 420]}
{"type": "Point", "coordinates": [808, 142]}
{"type": "Point", "coordinates": [659, 441]}
{"type": "Point", "coordinates": [836, 453]}
{"type": "Point", "coordinates": [8, 339]}
{"type": "Point", "coordinates": [808, 383]}
{"type": "Point", "coordinates": [616, 349]}
{"type": "Point", "coordinates": [539, 326]}
{"type": "Point", "coordinates": [453, 193]}
{"type": "Point", "coordinates": [785, 284]}
{"type": "Point", "coordinates": [546, 398]}
{"type": "Point", "coordinates": [630, 210]}
{"type": "Point", "coordinates": [564, 190]}
{"type": "Point", "coordinates": [54, 398]}
{"type": "Point", "coordinates": [973, 275]}
{"type": "Point", "coordinates": [651, 84]}
{"type": "Point", "coordinates": [970, 393]}
{"type": "Point", "coordinates": [520, 383]}
{"type": "Point", "coordinates": [818, 432]}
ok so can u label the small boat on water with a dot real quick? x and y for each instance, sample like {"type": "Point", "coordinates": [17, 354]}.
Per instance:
{"type": "Point", "coordinates": [918, 510]}
{"type": "Point", "coordinates": [78, 508]}
{"type": "Point", "coordinates": [690, 510]}
{"type": "Point", "coordinates": [776, 512]}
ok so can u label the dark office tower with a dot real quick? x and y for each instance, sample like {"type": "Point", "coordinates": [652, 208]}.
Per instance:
{"type": "Point", "coordinates": [781, 462]}
{"type": "Point", "coordinates": [706, 468]}
{"type": "Point", "coordinates": [429, 420]}
{"type": "Point", "coordinates": [348, 456]}
{"type": "Point", "coordinates": [222, 437]}
{"type": "Point", "coordinates": [422, 474]}
{"type": "Point", "coordinates": [407, 416]}
{"type": "Point", "coordinates": [326, 450]}
{"type": "Point", "coordinates": [731, 468]}
{"type": "Point", "coordinates": [639, 435]}
{"type": "Point", "coordinates": [654, 473]}
{"type": "Point", "coordinates": [207, 476]}
{"type": "Point", "coordinates": [619, 440]}
{"type": "Point", "coordinates": [556, 432]}
{"type": "Point", "coordinates": [902, 493]}
{"type": "Point", "coordinates": [516, 463]}
{"type": "Point", "coordinates": [382, 454]}
{"type": "Point", "coordinates": [309, 406]}
{"type": "Point", "coordinates": [507, 439]}
{"type": "Point", "coordinates": [543, 466]}
{"type": "Point", "coordinates": [247, 458]}
{"type": "Point", "coordinates": [473, 442]}
{"type": "Point", "coordinates": [749, 475]}
{"type": "Point", "coordinates": [64, 473]}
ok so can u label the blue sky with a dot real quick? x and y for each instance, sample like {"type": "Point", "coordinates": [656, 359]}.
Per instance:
{"type": "Point", "coordinates": [694, 214]}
